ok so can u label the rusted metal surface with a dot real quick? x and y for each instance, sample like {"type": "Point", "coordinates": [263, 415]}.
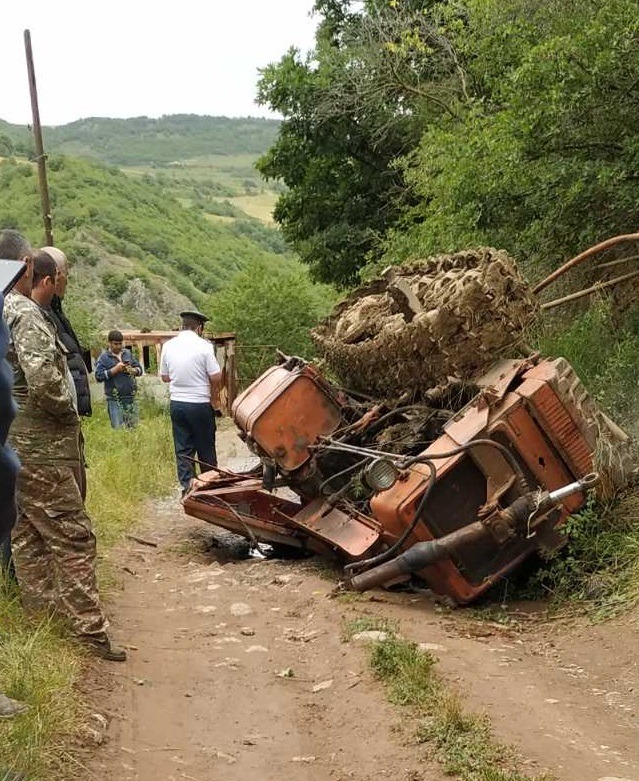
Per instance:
{"type": "Point", "coordinates": [285, 412]}
{"type": "Point", "coordinates": [463, 478]}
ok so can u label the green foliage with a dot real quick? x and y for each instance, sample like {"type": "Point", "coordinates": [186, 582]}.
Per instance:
{"type": "Point", "coordinates": [105, 213]}
{"type": "Point", "coordinates": [219, 208]}
{"type": "Point", "coordinates": [270, 305]}
{"type": "Point", "coordinates": [115, 284]}
{"type": "Point", "coordinates": [542, 160]}
{"type": "Point", "coordinates": [162, 141]}
{"type": "Point", "coordinates": [604, 354]}
{"type": "Point", "coordinates": [125, 467]}
{"type": "Point", "coordinates": [510, 123]}
{"type": "Point", "coordinates": [598, 570]}
{"type": "Point", "coordinates": [40, 667]}
{"type": "Point", "coordinates": [351, 110]}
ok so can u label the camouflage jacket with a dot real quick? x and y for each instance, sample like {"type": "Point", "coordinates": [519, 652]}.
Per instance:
{"type": "Point", "coordinates": [47, 427]}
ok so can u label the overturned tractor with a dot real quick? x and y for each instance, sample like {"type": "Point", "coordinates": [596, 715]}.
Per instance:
{"type": "Point", "coordinates": [440, 460]}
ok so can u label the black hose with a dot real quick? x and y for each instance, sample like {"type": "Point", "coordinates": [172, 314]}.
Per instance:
{"type": "Point", "coordinates": [387, 554]}
{"type": "Point", "coordinates": [423, 459]}
{"type": "Point", "coordinates": [525, 487]}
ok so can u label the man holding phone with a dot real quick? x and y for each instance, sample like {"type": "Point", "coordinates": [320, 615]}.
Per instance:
{"type": "Point", "coordinates": [117, 369]}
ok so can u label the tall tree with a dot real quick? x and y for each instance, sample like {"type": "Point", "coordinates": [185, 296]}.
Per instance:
{"type": "Point", "coordinates": [351, 109]}
{"type": "Point", "coordinates": [544, 162]}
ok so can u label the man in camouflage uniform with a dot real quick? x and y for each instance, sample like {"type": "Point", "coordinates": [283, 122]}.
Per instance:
{"type": "Point", "coordinates": [54, 547]}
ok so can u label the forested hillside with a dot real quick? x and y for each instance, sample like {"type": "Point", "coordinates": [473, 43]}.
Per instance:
{"type": "Point", "coordinates": [142, 140]}
{"type": "Point", "coordinates": [144, 245]}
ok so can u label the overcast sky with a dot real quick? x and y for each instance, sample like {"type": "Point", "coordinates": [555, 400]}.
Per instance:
{"type": "Point", "coordinates": [127, 58]}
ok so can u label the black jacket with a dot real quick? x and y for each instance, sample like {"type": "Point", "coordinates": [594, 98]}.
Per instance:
{"type": "Point", "coordinates": [78, 359]}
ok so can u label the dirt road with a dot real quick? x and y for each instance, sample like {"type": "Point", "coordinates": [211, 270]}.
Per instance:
{"type": "Point", "coordinates": [239, 672]}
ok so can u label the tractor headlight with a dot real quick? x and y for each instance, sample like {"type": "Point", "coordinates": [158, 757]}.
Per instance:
{"type": "Point", "coordinates": [381, 474]}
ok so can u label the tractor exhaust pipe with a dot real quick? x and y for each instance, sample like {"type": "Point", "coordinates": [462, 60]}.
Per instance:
{"type": "Point", "coordinates": [501, 525]}
{"type": "Point", "coordinates": [419, 556]}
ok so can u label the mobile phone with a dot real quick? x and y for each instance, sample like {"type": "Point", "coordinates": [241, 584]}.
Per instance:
{"type": "Point", "coordinates": [10, 273]}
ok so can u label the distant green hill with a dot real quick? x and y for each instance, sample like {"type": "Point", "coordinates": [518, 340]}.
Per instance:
{"type": "Point", "coordinates": [144, 141]}
{"type": "Point", "coordinates": [184, 219]}
{"type": "Point", "coordinates": [139, 254]}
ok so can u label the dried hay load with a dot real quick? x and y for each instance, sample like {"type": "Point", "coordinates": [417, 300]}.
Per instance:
{"type": "Point", "coordinates": [418, 324]}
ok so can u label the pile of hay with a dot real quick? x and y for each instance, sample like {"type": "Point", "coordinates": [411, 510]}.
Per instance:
{"type": "Point", "coordinates": [419, 324]}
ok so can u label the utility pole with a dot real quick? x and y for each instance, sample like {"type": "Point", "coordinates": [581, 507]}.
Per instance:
{"type": "Point", "coordinates": [41, 158]}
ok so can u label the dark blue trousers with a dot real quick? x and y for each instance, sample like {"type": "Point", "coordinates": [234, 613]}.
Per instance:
{"type": "Point", "coordinates": [193, 433]}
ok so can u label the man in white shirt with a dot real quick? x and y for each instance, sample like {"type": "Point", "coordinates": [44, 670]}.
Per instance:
{"type": "Point", "coordinates": [189, 365]}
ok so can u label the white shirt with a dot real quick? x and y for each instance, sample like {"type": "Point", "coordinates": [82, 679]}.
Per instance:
{"type": "Point", "coordinates": [189, 361]}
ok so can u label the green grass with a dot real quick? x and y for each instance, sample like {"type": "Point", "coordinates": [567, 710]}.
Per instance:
{"type": "Point", "coordinates": [38, 663]}
{"type": "Point", "coordinates": [597, 573]}
{"type": "Point", "coordinates": [603, 352]}
{"type": "Point", "coordinates": [125, 467]}
{"type": "Point", "coordinates": [260, 205]}
{"type": "Point", "coordinates": [354, 626]}
{"type": "Point", "coordinates": [42, 668]}
{"type": "Point", "coordinates": [461, 742]}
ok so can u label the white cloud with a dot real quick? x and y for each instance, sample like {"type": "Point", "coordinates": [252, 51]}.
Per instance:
{"type": "Point", "coordinates": [124, 59]}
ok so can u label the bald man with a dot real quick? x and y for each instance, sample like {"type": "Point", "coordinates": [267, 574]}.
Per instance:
{"type": "Point", "coordinates": [78, 358]}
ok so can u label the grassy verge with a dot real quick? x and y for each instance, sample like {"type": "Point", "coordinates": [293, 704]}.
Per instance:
{"type": "Point", "coordinates": [38, 664]}
{"type": "Point", "coordinates": [598, 571]}
{"type": "Point", "coordinates": [461, 742]}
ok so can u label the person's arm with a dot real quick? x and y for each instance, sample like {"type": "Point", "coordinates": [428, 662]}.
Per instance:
{"type": "Point", "coordinates": [102, 374]}
{"type": "Point", "coordinates": [164, 367]}
{"type": "Point", "coordinates": [100, 369]}
{"type": "Point", "coordinates": [214, 381]}
{"type": "Point", "coordinates": [135, 364]}
{"type": "Point", "coordinates": [37, 351]}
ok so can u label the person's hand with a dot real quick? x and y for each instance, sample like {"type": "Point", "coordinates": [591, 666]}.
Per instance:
{"type": "Point", "coordinates": [118, 368]}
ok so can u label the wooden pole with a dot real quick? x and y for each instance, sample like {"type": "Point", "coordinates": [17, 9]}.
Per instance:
{"type": "Point", "coordinates": [37, 133]}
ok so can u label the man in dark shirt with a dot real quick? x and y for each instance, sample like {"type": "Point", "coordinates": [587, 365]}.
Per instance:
{"type": "Point", "coordinates": [78, 358]}
{"type": "Point", "coordinates": [117, 369]}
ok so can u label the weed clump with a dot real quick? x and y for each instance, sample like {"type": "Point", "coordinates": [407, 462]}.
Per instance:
{"type": "Point", "coordinates": [462, 742]}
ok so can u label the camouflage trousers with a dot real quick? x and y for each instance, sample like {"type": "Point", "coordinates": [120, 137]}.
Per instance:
{"type": "Point", "coordinates": [54, 549]}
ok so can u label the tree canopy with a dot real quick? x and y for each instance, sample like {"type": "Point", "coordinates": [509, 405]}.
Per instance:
{"type": "Point", "coordinates": [416, 127]}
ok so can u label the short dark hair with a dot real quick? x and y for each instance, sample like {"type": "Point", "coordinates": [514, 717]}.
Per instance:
{"type": "Point", "coordinates": [43, 266]}
{"type": "Point", "coordinates": [13, 245]}
{"type": "Point", "coordinates": [115, 336]}
{"type": "Point", "coordinates": [190, 323]}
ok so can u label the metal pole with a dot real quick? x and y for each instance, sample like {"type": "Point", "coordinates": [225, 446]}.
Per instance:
{"type": "Point", "coordinates": [604, 245]}
{"type": "Point", "coordinates": [37, 133]}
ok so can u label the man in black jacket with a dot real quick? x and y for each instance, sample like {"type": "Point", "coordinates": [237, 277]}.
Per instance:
{"type": "Point", "coordinates": [78, 358]}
